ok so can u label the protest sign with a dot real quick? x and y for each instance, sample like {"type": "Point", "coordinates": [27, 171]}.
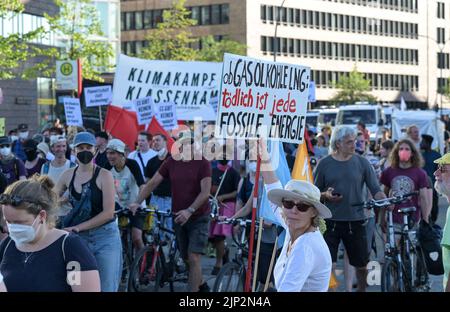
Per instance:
{"type": "Point", "coordinates": [97, 96]}
{"type": "Point", "coordinates": [190, 85]}
{"type": "Point", "coordinates": [167, 115]}
{"type": "Point", "coordinates": [73, 112]}
{"type": "Point", "coordinates": [262, 99]}
{"type": "Point", "coordinates": [2, 126]}
{"type": "Point", "coordinates": [144, 110]}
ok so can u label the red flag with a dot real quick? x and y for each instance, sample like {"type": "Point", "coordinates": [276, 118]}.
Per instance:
{"type": "Point", "coordinates": [155, 128]}
{"type": "Point", "coordinates": [123, 125]}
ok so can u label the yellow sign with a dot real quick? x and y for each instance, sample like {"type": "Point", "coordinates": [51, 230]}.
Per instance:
{"type": "Point", "coordinates": [2, 126]}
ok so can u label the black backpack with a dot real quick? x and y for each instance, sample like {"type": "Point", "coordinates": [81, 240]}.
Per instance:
{"type": "Point", "coordinates": [430, 236]}
{"type": "Point", "coordinates": [3, 182]}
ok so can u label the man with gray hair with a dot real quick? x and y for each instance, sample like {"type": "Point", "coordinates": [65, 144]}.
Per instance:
{"type": "Point", "coordinates": [341, 177]}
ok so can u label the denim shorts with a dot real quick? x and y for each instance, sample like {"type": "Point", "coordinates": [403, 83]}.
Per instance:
{"type": "Point", "coordinates": [106, 245]}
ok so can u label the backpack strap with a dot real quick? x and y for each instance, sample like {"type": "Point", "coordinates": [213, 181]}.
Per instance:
{"type": "Point", "coordinates": [63, 245]}
{"type": "Point", "coordinates": [16, 167]}
{"type": "Point", "coordinates": [46, 168]}
{"type": "Point", "coordinates": [142, 161]}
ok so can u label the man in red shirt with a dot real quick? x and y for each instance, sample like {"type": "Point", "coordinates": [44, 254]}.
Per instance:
{"type": "Point", "coordinates": [190, 181]}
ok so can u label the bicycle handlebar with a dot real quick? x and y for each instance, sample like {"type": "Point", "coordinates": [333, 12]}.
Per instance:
{"type": "Point", "coordinates": [143, 212]}
{"type": "Point", "coordinates": [386, 201]}
{"type": "Point", "coordinates": [238, 221]}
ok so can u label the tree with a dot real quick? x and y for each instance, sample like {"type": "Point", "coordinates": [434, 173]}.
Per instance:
{"type": "Point", "coordinates": [172, 40]}
{"type": "Point", "coordinates": [78, 26]}
{"type": "Point", "coordinates": [353, 88]}
{"type": "Point", "coordinates": [16, 49]}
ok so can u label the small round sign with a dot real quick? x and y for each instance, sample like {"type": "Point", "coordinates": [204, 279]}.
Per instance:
{"type": "Point", "coordinates": [66, 69]}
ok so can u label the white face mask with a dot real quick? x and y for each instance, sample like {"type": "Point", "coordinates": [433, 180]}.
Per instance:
{"type": "Point", "coordinates": [5, 151]}
{"type": "Point", "coordinates": [161, 152]}
{"type": "Point", "coordinates": [252, 167]}
{"type": "Point", "coordinates": [23, 135]}
{"type": "Point", "coordinates": [14, 138]}
{"type": "Point", "coordinates": [22, 233]}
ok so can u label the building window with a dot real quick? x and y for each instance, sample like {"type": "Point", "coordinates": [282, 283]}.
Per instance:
{"type": "Point", "coordinates": [224, 14]}
{"type": "Point", "coordinates": [441, 84]}
{"type": "Point", "coordinates": [205, 15]}
{"type": "Point", "coordinates": [129, 20]}
{"type": "Point", "coordinates": [148, 18]}
{"type": "Point", "coordinates": [443, 60]}
{"type": "Point", "coordinates": [215, 14]}
{"type": "Point", "coordinates": [441, 10]}
{"type": "Point", "coordinates": [441, 35]}
{"type": "Point", "coordinates": [138, 20]}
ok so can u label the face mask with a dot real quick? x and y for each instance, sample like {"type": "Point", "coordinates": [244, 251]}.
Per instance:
{"type": "Point", "coordinates": [22, 233]}
{"type": "Point", "coordinates": [404, 155]}
{"type": "Point", "coordinates": [5, 151]}
{"type": "Point", "coordinates": [14, 138]}
{"type": "Point", "coordinates": [31, 155]}
{"type": "Point", "coordinates": [85, 157]}
{"type": "Point", "coordinates": [252, 167]}
{"type": "Point", "coordinates": [161, 152]}
{"type": "Point", "coordinates": [23, 135]}
{"type": "Point", "coordinates": [50, 157]}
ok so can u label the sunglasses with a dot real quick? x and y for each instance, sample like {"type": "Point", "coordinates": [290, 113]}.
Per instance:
{"type": "Point", "coordinates": [443, 169]}
{"type": "Point", "coordinates": [289, 204]}
{"type": "Point", "coordinates": [14, 200]}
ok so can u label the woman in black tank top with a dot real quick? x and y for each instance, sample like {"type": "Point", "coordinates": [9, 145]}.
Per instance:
{"type": "Point", "coordinates": [91, 194]}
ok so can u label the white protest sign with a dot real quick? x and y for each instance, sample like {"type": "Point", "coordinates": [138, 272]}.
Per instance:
{"type": "Point", "coordinates": [144, 110]}
{"type": "Point", "coordinates": [166, 114]}
{"type": "Point", "coordinates": [73, 112]}
{"type": "Point", "coordinates": [66, 75]}
{"type": "Point", "coordinates": [262, 99]}
{"type": "Point", "coordinates": [190, 85]}
{"type": "Point", "coordinates": [97, 96]}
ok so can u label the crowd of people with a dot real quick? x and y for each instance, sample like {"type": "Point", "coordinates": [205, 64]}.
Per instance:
{"type": "Point", "coordinates": [60, 190]}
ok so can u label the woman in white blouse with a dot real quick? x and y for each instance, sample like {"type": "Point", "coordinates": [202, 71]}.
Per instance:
{"type": "Point", "coordinates": [305, 261]}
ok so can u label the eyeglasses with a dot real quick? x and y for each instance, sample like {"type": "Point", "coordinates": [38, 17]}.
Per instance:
{"type": "Point", "coordinates": [14, 200]}
{"type": "Point", "coordinates": [443, 169]}
{"type": "Point", "coordinates": [289, 204]}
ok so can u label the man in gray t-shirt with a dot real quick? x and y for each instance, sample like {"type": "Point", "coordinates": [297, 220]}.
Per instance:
{"type": "Point", "coordinates": [341, 177]}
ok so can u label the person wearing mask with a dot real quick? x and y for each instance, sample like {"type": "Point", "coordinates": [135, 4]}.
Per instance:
{"type": "Point", "coordinates": [413, 134]}
{"type": "Point", "coordinates": [405, 175]}
{"type": "Point", "coordinates": [127, 180]}
{"type": "Point", "coordinates": [43, 151]}
{"type": "Point", "coordinates": [101, 159]}
{"type": "Point", "coordinates": [11, 166]}
{"type": "Point", "coordinates": [430, 167]}
{"type": "Point", "coordinates": [33, 164]}
{"type": "Point", "coordinates": [341, 177]}
{"type": "Point", "coordinates": [190, 182]}
{"type": "Point", "coordinates": [12, 134]}
{"type": "Point", "coordinates": [36, 256]}
{"type": "Point", "coordinates": [227, 178]}
{"type": "Point", "coordinates": [91, 194]}
{"type": "Point", "coordinates": [57, 166]}
{"type": "Point", "coordinates": [144, 152]}
{"type": "Point", "coordinates": [17, 146]}
{"type": "Point", "coordinates": [161, 196]}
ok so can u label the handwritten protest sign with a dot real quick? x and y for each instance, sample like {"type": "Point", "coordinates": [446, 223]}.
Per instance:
{"type": "Point", "coordinates": [97, 96]}
{"type": "Point", "coordinates": [262, 99]}
{"type": "Point", "coordinates": [73, 112]}
{"type": "Point", "coordinates": [167, 115]}
{"type": "Point", "coordinates": [144, 110]}
{"type": "Point", "coordinates": [190, 85]}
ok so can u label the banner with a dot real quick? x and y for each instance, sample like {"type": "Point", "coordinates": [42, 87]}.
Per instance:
{"type": "Point", "coordinates": [166, 114]}
{"type": "Point", "coordinates": [2, 126]}
{"type": "Point", "coordinates": [262, 98]}
{"type": "Point", "coordinates": [73, 112]}
{"type": "Point", "coordinates": [66, 75]}
{"type": "Point", "coordinates": [190, 85]}
{"type": "Point", "coordinates": [97, 96]}
{"type": "Point", "coordinates": [144, 110]}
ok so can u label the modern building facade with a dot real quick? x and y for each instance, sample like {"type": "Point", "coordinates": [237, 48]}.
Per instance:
{"type": "Point", "coordinates": [400, 45]}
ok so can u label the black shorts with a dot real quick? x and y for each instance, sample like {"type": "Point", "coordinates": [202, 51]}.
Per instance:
{"type": "Point", "coordinates": [137, 221]}
{"type": "Point", "coordinates": [192, 237]}
{"type": "Point", "coordinates": [354, 236]}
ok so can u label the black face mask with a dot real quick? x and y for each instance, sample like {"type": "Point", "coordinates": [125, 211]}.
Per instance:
{"type": "Point", "coordinates": [85, 157]}
{"type": "Point", "coordinates": [31, 155]}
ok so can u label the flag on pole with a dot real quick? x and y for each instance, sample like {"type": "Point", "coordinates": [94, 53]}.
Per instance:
{"type": "Point", "coordinates": [402, 104]}
{"type": "Point", "coordinates": [122, 124]}
{"type": "Point", "coordinates": [155, 128]}
{"type": "Point", "coordinates": [302, 166]}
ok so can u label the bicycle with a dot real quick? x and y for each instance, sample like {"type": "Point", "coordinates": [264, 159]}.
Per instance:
{"type": "Point", "coordinates": [404, 268]}
{"type": "Point", "coordinates": [159, 262]}
{"type": "Point", "coordinates": [231, 277]}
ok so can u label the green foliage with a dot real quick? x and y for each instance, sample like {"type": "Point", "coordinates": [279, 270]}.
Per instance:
{"type": "Point", "coordinates": [78, 25]}
{"type": "Point", "coordinates": [353, 88]}
{"type": "Point", "coordinates": [172, 40]}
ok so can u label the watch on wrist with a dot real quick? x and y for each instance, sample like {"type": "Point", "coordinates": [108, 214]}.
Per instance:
{"type": "Point", "coordinates": [191, 210]}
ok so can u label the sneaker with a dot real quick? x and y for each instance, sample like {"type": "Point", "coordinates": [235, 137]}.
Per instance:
{"type": "Point", "coordinates": [204, 288]}
{"type": "Point", "coordinates": [215, 270]}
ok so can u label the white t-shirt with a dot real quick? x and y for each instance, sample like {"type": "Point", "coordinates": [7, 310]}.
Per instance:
{"type": "Point", "coordinates": [145, 158]}
{"type": "Point", "coordinates": [307, 268]}
{"type": "Point", "coordinates": [127, 190]}
{"type": "Point", "coordinates": [55, 172]}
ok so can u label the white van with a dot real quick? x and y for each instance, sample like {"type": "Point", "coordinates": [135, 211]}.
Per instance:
{"type": "Point", "coordinates": [327, 116]}
{"type": "Point", "coordinates": [312, 118]}
{"type": "Point", "coordinates": [371, 115]}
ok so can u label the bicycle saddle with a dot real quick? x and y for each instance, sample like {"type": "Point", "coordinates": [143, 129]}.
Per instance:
{"type": "Point", "coordinates": [407, 209]}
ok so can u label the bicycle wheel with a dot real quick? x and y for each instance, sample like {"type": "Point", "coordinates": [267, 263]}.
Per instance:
{"type": "Point", "coordinates": [422, 277]}
{"type": "Point", "coordinates": [146, 271]}
{"type": "Point", "coordinates": [231, 278]}
{"type": "Point", "coordinates": [390, 279]}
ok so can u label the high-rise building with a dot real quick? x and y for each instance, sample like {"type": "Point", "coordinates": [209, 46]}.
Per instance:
{"type": "Point", "coordinates": [400, 45]}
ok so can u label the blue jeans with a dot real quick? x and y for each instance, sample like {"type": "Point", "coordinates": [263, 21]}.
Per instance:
{"type": "Point", "coordinates": [163, 204]}
{"type": "Point", "coordinates": [104, 242]}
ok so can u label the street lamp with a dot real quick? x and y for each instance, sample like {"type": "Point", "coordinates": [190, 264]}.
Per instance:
{"type": "Point", "coordinates": [441, 47]}
{"type": "Point", "coordinates": [275, 41]}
